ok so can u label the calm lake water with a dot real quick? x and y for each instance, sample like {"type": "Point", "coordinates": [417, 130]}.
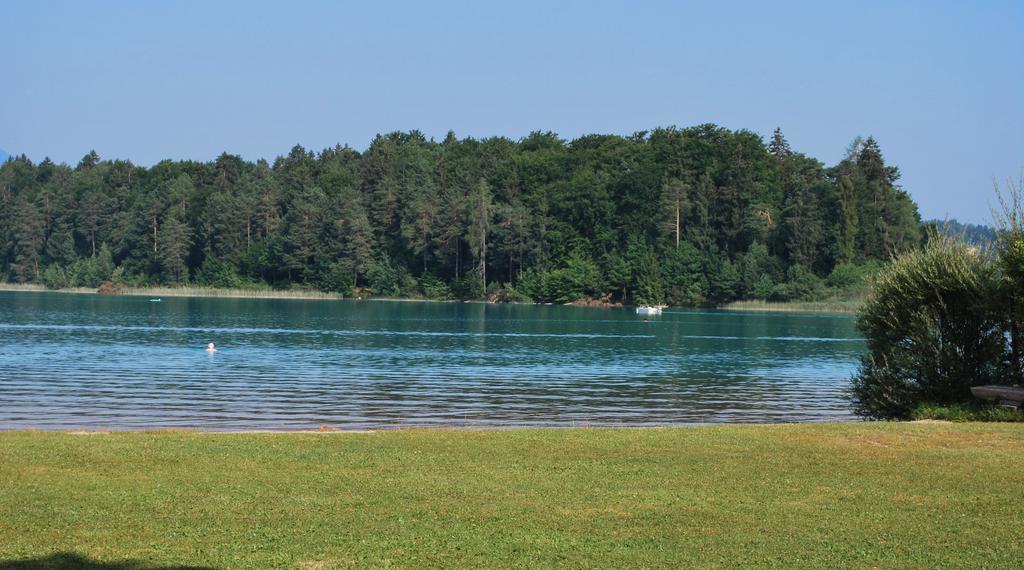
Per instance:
{"type": "Point", "coordinates": [87, 361]}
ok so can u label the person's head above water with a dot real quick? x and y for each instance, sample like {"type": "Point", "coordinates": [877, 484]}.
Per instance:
{"type": "Point", "coordinates": [210, 347]}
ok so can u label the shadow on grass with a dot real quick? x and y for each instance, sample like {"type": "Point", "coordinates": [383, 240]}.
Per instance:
{"type": "Point", "coordinates": [70, 560]}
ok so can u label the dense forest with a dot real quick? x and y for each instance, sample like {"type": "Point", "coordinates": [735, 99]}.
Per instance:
{"type": "Point", "coordinates": [701, 215]}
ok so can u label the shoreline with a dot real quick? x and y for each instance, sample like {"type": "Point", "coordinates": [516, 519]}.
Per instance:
{"type": "Point", "coordinates": [330, 430]}
{"type": "Point", "coordinates": [836, 307]}
{"type": "Point", "coordinates": [821, 307]}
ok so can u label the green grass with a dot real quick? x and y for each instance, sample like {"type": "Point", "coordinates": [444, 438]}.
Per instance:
{"type": "Point", "coordinates": [850, 495]}
{"type": "Point", "coordinates": [972, 412]}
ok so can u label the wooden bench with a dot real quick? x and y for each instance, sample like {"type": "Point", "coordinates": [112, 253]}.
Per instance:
{"type": "Point", "coordinates": [1008, 396]}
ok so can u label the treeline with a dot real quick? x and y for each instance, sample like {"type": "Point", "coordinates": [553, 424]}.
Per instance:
{"type": "Point", "coordinates": [976, 235]}
{"type": "Point", "coordinates": [701, 215]}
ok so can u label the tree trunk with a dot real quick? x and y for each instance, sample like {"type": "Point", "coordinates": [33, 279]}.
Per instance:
{"type": "Point", "coordinates": [677, 225]}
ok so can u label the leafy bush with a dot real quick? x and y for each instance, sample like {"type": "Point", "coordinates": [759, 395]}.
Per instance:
{"type": "Point", "coordinates": [80, 272]}
{"type": "Point", "coordinates": [532, 284]}
{"type": "Point", "coordinates": [801, 285]}
{"type": "Point", "coordinates": [216, 273]}
{"type": "Point", "coordinates": [468, 286]}
{"type": "Point", "coordinates": [434, 288]}
{"type": "Point", "coordinates": [515, 295]}
{"type": "Point", "coordinates": [387, 279]}
{"type": "Point", "coordinates": [578, 279]}
{"type": "Point", "coordinates": [336, 277]}
{"type": "Point", "coordinates": [55, 277]}
{"type": "Point", "coordinates": [764, 289]}
{"type": "Point", "coordinates": [851, 276]}
{"type": "Point", "coordinates": [932, 331]}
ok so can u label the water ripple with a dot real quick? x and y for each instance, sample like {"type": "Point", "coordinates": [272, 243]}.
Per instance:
{"type": "Point", "coordinates": [69, 361]}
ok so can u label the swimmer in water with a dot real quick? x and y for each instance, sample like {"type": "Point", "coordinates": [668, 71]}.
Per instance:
{"type": "Point", "coordinates": [211, 348]}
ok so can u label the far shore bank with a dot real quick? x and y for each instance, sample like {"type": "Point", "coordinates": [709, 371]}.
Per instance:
{"type": "Point", "coordinates": [847, 307]}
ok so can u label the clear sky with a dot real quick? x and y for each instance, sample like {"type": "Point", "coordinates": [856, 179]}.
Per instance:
{"type": "Point", "coordinates": [939, 84]}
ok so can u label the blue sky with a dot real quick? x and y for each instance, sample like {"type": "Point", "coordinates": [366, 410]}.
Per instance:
{"type": "Point", "coordinates": [939, 84]}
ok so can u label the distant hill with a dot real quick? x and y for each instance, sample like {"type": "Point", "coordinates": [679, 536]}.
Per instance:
{"type": "Point", "coordinates": [3, 156]}
{"type": "Point", "coordinates": [974, 234]}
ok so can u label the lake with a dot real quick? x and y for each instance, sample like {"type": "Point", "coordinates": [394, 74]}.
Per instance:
{"type": "Point", "coordinates": [96, 362]}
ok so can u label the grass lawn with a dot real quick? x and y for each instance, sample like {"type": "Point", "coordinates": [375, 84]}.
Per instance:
{"type": "Point", "coordinates": [918, 495]}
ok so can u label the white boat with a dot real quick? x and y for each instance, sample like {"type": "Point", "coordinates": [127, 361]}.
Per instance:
{"type": "Point", "coordinates": [645, 310]}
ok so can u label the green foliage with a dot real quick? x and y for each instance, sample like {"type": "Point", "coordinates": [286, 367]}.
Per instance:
{"type": "Point", "coordinates": [1010, 248]}
{"type": "Point", "coordinates": [723, 279]}
{"type": "Point", "coordinates": [932, 330]}
{"type": "Point", "coordinates": [534, 286]}
{"type": "Point", "coordinates": [514, 295]}
{"type": "Point", "coordinates": [801, 285]}
{"type": "Point", "coordinates": [434, 288]}
{"type": "Point", "coordinates": [683, 276]}
{"type": "Point", "coordinates": [389, 280]}
{"type": "Point", "coordinates": [82, 272]}
{"type": "Point", "coordinates": [649, 287]}
{"type": "Point", "coordinates": [851, 276]}
{"type": "Point", "coordinates": [764, 289]}
{"type": "Point", "coordinates": [222, 275]}
{"type": "Point", "coordinates": [976, 411]}
{"type": "Point", "coordinates": [56, 277]}
{"type": "Point", "coordinates": [469, 287]}
{"type": "Point", "coordinates": [579, 279]}
{"type": "Point", "coordinates": [701, 215]}
{"type": "Point", "coordinates": [754, 266]}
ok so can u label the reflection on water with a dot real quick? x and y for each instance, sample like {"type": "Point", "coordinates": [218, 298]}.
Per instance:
{"type": "Point", "coordinates": [70, 361]}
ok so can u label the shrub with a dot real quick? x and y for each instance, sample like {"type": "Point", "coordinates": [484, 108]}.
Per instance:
{"type": "Point", "coordinates": [801, 285]}
{"type": "Point", "coordinates": [532, 284]}
{"type": "Point", "coordinates": [434, 288]}
{"type": "Point", "coordinates": [932, 331]}
{"type": "Point", "coordinates": [515, 295]}
{"type": "Point", "coordinates": [217, 273]}
{"type": "Point", "coordinates": [387, 279]}
{"type": "Point", "coordinates": [335, 277]}
{"type": "Point", "coordinates": [468, 286]}
{"type": "Point", "coordinates": [56, 277]}
{"type": "Point", "coordinates": [851, 277]}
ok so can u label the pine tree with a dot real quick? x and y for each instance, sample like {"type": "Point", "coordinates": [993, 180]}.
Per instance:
{"type": "Point", "coordinates": [174, 241]}
{"type": "Point", "coordinates": [60, 244]}
{"type": "Point", "coordinates": [779, 147]}
{"type": "Point", "coordinates": [29, 238]}
{"type": "Point", "coordinates": [674, 194]}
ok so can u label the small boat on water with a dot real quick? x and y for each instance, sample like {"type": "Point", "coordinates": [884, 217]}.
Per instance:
{"type": "Point", "coordinates": [646, 310]}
